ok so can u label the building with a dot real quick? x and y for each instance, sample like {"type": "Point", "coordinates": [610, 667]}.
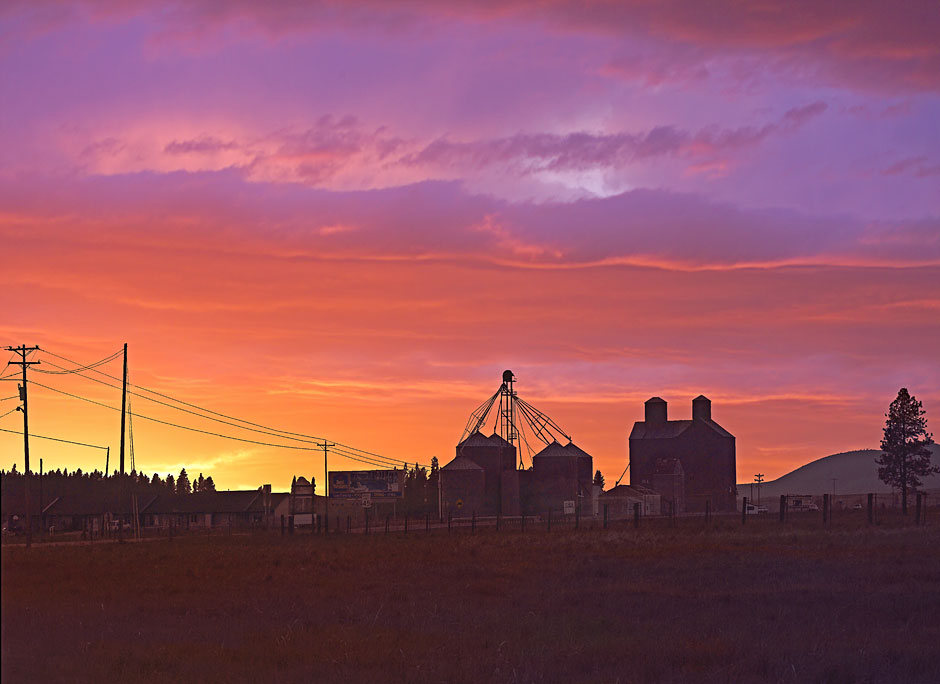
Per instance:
{"type": "Point", "coordinates": [621, 499]}
{"type": "Point", "coordinates": [699, 451]}
{"type": "Point", "coordinates": [301, 503]}
{"type": "Point", "coordinates": [242, 509]}
{"type": "Point", "coordinates": [483, 479]}
{"type": "Point", "coordinates": [560, 474]}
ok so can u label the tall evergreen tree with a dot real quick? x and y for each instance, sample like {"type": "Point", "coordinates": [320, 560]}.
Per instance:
{"type": "Point", "coordinates": [906, 456]}
{"type": "Point", "coordinates": [599, 479]}
{"type": "Point", "coordinates": [182, 483]}
{"type": "Point", "coordinates": [208, 485]}
{"type": "Point", "coordinates": [170, 483]}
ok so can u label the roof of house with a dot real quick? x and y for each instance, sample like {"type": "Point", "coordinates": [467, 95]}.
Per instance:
{"type": "Point", "coordinates": [633, 491]}
{"type": "Point", "coordinates": [276, 498]}
{"type": "Point", "coordinates": [207, 502]}
{"type": "Point", "coordinates": [462, 463]}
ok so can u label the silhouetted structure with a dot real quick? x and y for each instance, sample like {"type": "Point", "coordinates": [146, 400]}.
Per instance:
{"type": "Point", "coordinates": [698, 452]}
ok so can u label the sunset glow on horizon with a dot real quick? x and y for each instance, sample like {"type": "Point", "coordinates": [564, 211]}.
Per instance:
{"type": "Point", "coordinates": [346, 219]}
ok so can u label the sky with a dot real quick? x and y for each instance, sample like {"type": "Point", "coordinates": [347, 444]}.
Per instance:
{"type": "Point", "coordinates": [346, 219]}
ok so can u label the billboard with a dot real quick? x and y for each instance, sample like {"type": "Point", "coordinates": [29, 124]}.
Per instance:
{"type": "Point", "coordinates": [378, 484]}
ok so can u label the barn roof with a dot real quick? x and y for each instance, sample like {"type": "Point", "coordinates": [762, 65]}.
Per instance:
{"type": "Point", "coordinates": [670, 429]}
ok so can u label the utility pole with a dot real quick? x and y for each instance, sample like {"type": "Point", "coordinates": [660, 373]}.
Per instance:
{"type": "Point", "coordinates": [23, 350]}
{"type": "Point", "coordinates": [759, 479]}
{"type": "Point", "coordinates": [123, 408]}
{"type": "Point", "coordinates": [326, 485]}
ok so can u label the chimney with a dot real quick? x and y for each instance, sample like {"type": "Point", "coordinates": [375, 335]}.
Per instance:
{"type": "Point", "coordinates": [655, 411]}
{"type": "Point", "coordinates": [701, 408]}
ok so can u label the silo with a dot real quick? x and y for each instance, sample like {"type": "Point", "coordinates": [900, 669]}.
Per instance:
{"type": "Point", "coordinates": [462, 488]}
{"type": "Point", "coordinates": [556, 476]}
{"type": "Point", "coordinates": [495, 456]}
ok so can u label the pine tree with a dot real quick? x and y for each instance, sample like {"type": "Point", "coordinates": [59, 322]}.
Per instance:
{"type": "Point", "coordinates": [599, 479]}
{"type": "Point", "coordinates": [906, 456]}
{"type": "Point", "coordinates": [182, 483]}
{"type": "Point", "coordinates": [208, 485]}
{"type": "Point", "coordinates": [170, 483]}
{"type": "Point", "coordinates": [199, 484]}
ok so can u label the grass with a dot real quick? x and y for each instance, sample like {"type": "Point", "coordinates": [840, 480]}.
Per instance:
{"type": "Point", "coordinates": [762, 603]}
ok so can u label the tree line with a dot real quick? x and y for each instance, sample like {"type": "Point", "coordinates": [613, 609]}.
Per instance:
{"type": "Point", "coordinates": [95, 483]}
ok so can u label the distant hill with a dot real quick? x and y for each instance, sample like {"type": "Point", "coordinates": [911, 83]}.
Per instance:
{"type": "Point", "coordinates": [855, 471]}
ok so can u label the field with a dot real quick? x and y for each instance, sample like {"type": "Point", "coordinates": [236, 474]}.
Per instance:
{"type": "Point", "coordinates": [761, 603]}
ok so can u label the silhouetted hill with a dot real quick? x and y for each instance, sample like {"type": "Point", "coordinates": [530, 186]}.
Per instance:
{"type": "Point", "coordinates": [855, 471]}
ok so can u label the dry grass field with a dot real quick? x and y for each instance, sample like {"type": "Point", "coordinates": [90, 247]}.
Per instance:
{"type": "Point", "coordinates": [762, 603]}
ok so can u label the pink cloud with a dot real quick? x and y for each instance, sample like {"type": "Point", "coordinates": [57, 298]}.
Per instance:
{"type": "Point", "coordinates": [918, 166]}
{"type": "Point", "coordinates": [864, 44]}
{"type": "Point", "coordinates": [528, 153]}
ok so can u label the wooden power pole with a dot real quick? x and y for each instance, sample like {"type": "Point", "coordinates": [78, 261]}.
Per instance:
{"type": "Point", "coordinates": [326, 486]}
{"type": "Point", "coordinates": [123, 408]}
{"type": "Point", "coordinates": [23, 350]}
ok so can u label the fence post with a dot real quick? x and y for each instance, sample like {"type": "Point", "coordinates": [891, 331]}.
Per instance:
{"type": "Point", "coordinates": [549, 519]}
{"type": "Point", "coordinates": [290, 524]}
{"type": "Point", "coordinates": [636, 515]}
{"type": "Point", "coordinates": [871, 509]}
{"type": "Point", "coordinates": [406, 523]}
{"type": "Point", "coordinates": [498, 518]}
{"type": "Point", "coordinates": [347, 524]}
{"type": "Point", "coordinates": [523, 522]}
{"type": "Point", "coordinates": [708, 511]}
{"type": "Point", "coordinates": [367, 522]}
{"type": "Point", "coordinates": [386, 524]}
{"type": "Point", "coordinates": [449, 518]}
{"type": "Point", "coordinates": [783, 507]}
{"type": "Point", "coordinates": [606, 516]}
{"type": "Point", "coordinates": [427, 522]}
{"type": "Point", "coordinates": [744, 511]}
{"type": "Point", "coordinates": [917, 515]}
{"type": "Point", "coordinates": [473, 523]}
{"type": "Point", "coordinates": [825, 509]}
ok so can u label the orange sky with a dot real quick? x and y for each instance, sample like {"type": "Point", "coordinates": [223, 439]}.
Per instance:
{"type": "Point", "coordinates": [347, 219]}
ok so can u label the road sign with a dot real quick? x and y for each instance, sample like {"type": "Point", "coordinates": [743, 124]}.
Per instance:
{"type": "Point", "coordinates": [569, 507]}
{"type": "Point", "coordinates": [367, 501]}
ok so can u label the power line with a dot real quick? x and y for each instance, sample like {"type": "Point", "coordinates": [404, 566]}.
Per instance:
{"type": "Point", "coordinates": [54, 439]}
{"type": "Point", "coordinates": [204, 432]}
{"type": "Point", "coordinates": [274, 432]}
{"type": "Point", "coordinates": [91, 366]}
